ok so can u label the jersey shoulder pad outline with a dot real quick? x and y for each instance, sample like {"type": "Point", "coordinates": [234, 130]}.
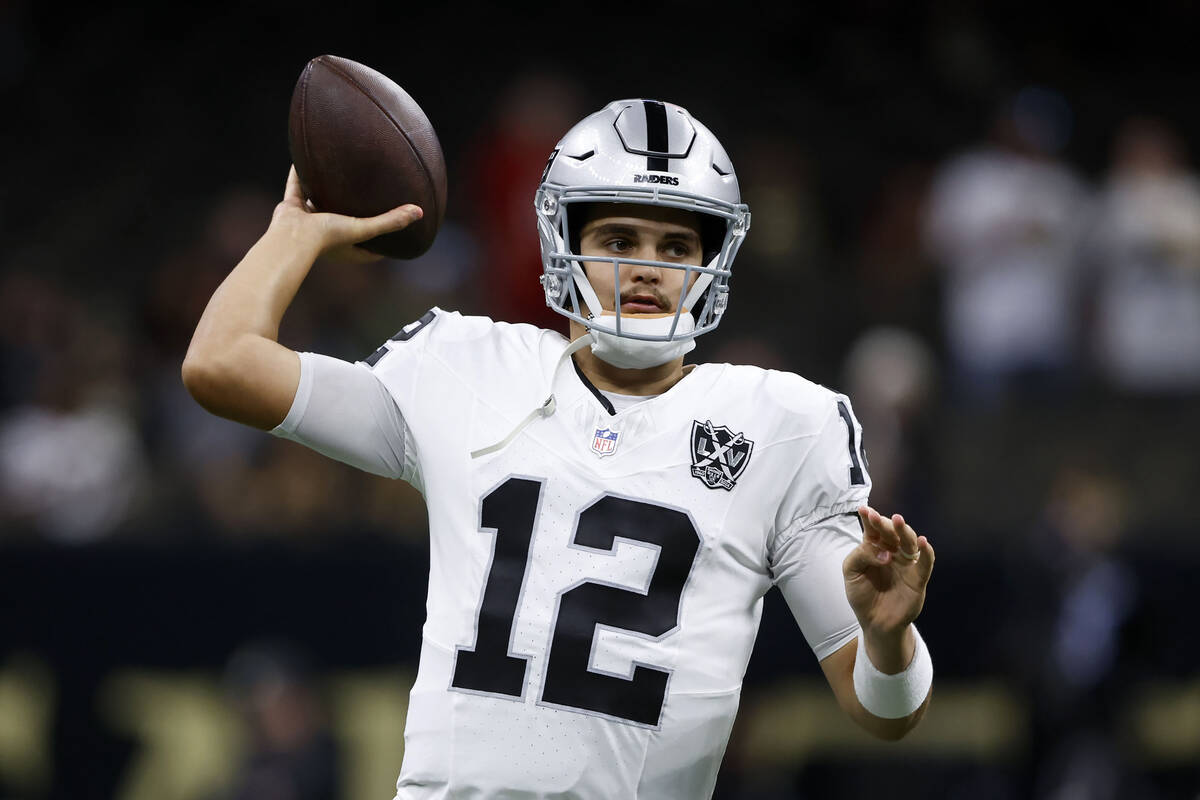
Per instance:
{"type": "Point", "coordinates": [811, 403]}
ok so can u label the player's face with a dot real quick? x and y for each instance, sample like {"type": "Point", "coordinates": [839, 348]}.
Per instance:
{"type": "Point", "coordinates": [644, 232]}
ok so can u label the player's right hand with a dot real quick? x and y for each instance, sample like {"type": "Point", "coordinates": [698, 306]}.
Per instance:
{"type": "Point", "coordinates": [336, 236]}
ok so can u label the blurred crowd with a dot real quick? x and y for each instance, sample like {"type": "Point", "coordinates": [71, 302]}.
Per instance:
{"type": "Point", "coordinates": [994, 278]}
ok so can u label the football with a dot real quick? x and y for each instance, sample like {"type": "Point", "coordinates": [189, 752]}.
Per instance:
{"type": "Point", "coordinates": [362, 146]}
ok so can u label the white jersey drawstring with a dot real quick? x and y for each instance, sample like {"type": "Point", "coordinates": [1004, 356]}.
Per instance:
{"type": "Point", "coordinates": [546, 408]}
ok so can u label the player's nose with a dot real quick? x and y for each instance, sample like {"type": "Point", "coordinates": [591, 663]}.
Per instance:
{"type": "Point", "coordinates": [644, 273]}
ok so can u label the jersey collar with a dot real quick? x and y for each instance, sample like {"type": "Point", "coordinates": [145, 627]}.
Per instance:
{"type": "Point", "coordinates": [604, 401]}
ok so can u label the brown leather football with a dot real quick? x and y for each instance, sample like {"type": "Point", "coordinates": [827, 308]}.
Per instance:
{"type": "Point", "coordinates": [361, 146]}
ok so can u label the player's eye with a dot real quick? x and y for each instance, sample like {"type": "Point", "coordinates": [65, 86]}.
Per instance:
{"type": "Point", "coordinates": [677, 250]}
{"type": "Point", "coordinates": [618, 245]}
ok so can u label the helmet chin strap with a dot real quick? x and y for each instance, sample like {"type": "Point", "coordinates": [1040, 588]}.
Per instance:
{"type": "Point", "coordinates": [624, 352]}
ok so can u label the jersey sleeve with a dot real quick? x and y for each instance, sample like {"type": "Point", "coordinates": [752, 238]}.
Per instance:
{"type": "Point", "coordinates": [342, 410]}
{"type": "Point", "coordinates": [441, 352]}
{"type": "Point", "coordinates": [807, 568]}
{"type": "Point", "coordinates": [818, 527]}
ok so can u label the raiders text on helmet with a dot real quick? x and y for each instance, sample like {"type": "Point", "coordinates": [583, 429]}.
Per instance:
{"type": "Point", "coordinates": [672, 180]}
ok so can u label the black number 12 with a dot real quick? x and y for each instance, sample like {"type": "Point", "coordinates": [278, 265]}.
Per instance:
{"type": "Point", "coordinates": [570, 682]}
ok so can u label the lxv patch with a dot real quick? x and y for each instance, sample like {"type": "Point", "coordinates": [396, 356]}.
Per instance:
{"type": "Point", "coordinates": [719, 456]}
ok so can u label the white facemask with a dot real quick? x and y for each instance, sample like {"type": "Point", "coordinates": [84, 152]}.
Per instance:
{"type": "Point", "coordinates": [626, 353]}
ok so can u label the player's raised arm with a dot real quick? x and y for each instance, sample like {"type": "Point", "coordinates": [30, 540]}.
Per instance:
{"type": "Point", "coordinates": [883, 680]}
{"type": "Point", "coordinates": [235, 366]}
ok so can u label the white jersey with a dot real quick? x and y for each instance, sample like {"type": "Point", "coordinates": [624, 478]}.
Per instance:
{"type": "Point", "coordinates": [595, 585]}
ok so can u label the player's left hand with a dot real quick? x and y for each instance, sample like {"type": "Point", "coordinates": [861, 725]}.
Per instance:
{"type": "Point", "coordinates": [887, 573]}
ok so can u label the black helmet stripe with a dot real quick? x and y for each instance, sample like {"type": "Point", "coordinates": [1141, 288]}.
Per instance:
{"type": "Point", "coordinates": [657, 138]}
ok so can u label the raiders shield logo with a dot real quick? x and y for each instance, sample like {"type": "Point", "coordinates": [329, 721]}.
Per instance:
{"type": "Point", "coordinates": [719, 456]}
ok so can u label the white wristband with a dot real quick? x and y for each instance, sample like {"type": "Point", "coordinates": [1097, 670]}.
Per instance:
{"type": "Point", "coordinates": [893, 696]}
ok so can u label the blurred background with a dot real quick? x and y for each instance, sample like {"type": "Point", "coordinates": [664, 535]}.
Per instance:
{"type": "Point", "coordinates": [981, 221]}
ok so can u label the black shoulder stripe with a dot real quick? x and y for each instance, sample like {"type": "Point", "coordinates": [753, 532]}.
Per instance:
{"type": "Point", "coordinates": [403, 335]}
{"type": "Point", "coordinates": [857, 475]}
{"type": "Point", "coordinates": [413, 328]}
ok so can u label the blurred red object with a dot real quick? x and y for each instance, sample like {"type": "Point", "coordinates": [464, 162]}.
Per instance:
{"type": "Point", "coordinates": [505, 165]}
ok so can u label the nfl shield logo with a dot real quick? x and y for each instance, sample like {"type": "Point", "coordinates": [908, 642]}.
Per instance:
{"type": "Point", "coordinates": [719, 456]}
{"type": "Point", "coordinates": [604, 443]}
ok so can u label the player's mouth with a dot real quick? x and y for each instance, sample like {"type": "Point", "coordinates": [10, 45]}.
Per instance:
{"type": "Point", "coordinates": [642, 304]}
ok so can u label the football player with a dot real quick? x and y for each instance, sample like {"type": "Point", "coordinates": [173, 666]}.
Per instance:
{"type": "Point", "coordinates": [604, 520]}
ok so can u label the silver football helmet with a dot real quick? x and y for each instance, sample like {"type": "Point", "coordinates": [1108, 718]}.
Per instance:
{"type": "Point", "coordinates": [650, 153]}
